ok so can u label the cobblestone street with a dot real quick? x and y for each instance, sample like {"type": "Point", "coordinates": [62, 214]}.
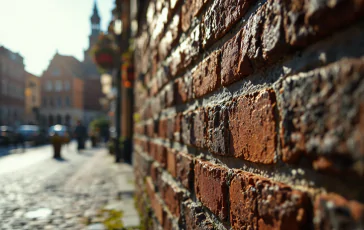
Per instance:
{"type": "Point", "coordinates": [39, 192]}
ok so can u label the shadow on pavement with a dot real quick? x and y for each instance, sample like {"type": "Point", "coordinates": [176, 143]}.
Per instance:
{"type": "Point", "coordinates": [60, 159]}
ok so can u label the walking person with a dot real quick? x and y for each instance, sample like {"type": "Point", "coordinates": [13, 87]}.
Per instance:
{"type": "Point", "coordinates": [80, 134]}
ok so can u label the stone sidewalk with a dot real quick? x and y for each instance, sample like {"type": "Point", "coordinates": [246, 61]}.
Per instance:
{"type": "Point", "coordinates": [86, 191]}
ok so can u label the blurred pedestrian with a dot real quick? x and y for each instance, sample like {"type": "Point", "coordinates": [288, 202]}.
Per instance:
{"type": "Point", "coordinates": [80, 135]}
{"type": "Point", "coordinates": [20, 141]}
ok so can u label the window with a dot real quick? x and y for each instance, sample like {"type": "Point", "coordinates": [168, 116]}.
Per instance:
{"type": "Point", "coordinates": [58, 86]}
{"type": "Point", "coordinates": [56, 72]}
{"type": "Point", "coordinates": [68, 101]}
{"type": "Point", "coordinates": [49, 86]}
{"type": "Point", "coordinates": [59, 102]}
{"type": "Point", "coordinates": [67, 85]}
{"type": "Point", "coordinates": [51, 104]}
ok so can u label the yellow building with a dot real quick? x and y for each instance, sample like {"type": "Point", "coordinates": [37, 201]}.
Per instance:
{"type": "Point", "coordinates": [32, 98]}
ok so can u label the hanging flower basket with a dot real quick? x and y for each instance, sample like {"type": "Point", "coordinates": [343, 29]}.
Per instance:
{"type": "Point", "coordinates": [105, 53]}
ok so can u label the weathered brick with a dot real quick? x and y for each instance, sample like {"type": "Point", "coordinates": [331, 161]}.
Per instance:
{"type": "Point", "coordinates": [322, 116]}
{"type": "Point", "coordinates": [206, 77]}
{"type": "Point", "coordinates": [308, 21]}
{"type": "Point", "coordinates": [222, 15]}
{"type": "Point", "coordinates": [163, 128]}
{"type": "Point", "coordinates": [199, 130]}
{"type": "Point", "coordinates": [178, 127]}
{"type": "Point", "coordinates": [187, 128]}
{"type": "Point", "coordinates": [252, 127]}
{"type": "Point", "coordinates": [333, 211]}
{"type": "Point", "coordinates": [258, 203]}
{"type": "Point", "coordinates": [159, 153]}
{"type": "Point", "coordinates": [186, 53]}
{"type": "Point", "coordinates": [183, 90]}
{"type": "Point", "coordinates": [229, 62]}
{"type": "Point", "coordinates": [251, 53]}
{"type": "Point", "coordinates": [184, 168]}
{"type": "Point", "coordinates": [155, 174]}
{"type": "Point", "coordinates": [172, 196]}
{"type": "Point", "coordinates": [190, 9]}
{"type": "Point", "coordinates": [154, 200]}
{"type": "Point", "coordinates": [172, 161]}
{"type": "Point", "coordinates": [142, 164]}
{"type": "Point", "coordinates": [217, 134]}
{"type": "Point", "coordinates": [274, 45]}
{"type": "Point", "coordinates": [195, 218]}
{"type": "Point", "coordinates": [170, 38]}
{"type": "Point", "coordinates": [208, 176]}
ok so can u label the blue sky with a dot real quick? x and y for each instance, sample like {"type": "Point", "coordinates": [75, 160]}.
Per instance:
{"type": "Point", "coordinates": [37, 28]}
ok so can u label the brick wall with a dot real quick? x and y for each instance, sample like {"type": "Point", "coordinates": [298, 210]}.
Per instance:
{"type": "Point", "coordinates": [250, 114]}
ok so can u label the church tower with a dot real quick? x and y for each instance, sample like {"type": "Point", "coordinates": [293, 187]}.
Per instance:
{"type": "Point", "coordinates": [95, 25]}
{"type": "Point", "coordinates": [95, 19]}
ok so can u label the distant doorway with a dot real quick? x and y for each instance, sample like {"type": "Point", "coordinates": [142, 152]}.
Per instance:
{"type": "Point", "coordinates": [50, 120]}
{"type": "Point", "coordinates": [59, 119]}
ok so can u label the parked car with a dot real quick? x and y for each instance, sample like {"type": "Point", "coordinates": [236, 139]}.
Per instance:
{"type": "Point", "coordinates": [32, 133]}
{"type": "Point", "coordinates": [7, 135]}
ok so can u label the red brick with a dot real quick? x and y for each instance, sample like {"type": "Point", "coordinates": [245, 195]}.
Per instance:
{"type": "Point", "coordinates": [178, 127]}
{"type": "Point", "coordinates": [142, 164]}
{"type": "Point", "coordinates": [186, 15]}
{"type": "Point", "coordinates": [252, 127]}
{"type": "Point", "coordinates": [186, 53]}
{"type": "Point", "coordinates": [184, 168]}
{"type": "Point", "coordinates": [333, 211]}
{"type": "Point", "coordinates": [195, 218]}
{"type": "Point", "coordinates": [154, 200]}
{"type": "Point", "coordinates": [168, 221]}
{"type": "Point", "coordinates": [250, 49]}
{"type": "Point", "coordinates": [218, 134]}
{"type": "Point", "coordinates": [187, 128]}
{"type": "Point", "coordinates": [169, 96]}
{"type": "Point", "coordinates": [230, 72]}
{"type": "Point", "coordinates": [155, 174]}
{"type": "Point", "coordinates": [172, 161]}
{"type": "Point", "coordinates": [258, 203]}
{"type": "Point", "coordinates": [222, 15]}
{"type": "Point", "coordinates": [331, 131]}
{"type": "Point", "coordinates": [208, 176]}
{"type": "Point", "coordinates": [306, 22]}
{"type": "Point", "coordinates": [274, 45]}
{"type": "Point", "coordinates": [150, 129]}
{"type": "Point", "coordinates": [183, 90]}
{"type": "Point", "coordinates": [170, 127]}
{"type": "Point", "coordinates": [190, 9]}
{"type": "Point", "coordinates": [172, 196]}
{"type": "Point", "coordinates": [163, 128]}
{"type": "Point", "coordinates": [206, 77]}
{"type": "Point", "coordinates": [199, 133]}
{"type": "Point", "coordinates": [171, 37]}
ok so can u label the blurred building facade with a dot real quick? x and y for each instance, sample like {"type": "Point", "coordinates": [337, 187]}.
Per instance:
{"type": "Point", "coordinates": [71, 90]}
{"type": "Point", "coordinates": [62, 91]}
{"type": "Point", "coordinates": [32, 98]}
{"type": "Point", "coordinates": [12, 81]}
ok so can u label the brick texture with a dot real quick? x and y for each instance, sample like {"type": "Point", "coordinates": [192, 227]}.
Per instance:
{"type": "Point", "coordinates": [250, 114]}
{"type": "Point", "coordinates": [208, 176]}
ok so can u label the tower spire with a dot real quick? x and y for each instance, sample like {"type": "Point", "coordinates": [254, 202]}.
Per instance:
{"type": "Point", "coordinates": [96, 11]}
{"type": "Point", "coordinates": [95, 20]}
